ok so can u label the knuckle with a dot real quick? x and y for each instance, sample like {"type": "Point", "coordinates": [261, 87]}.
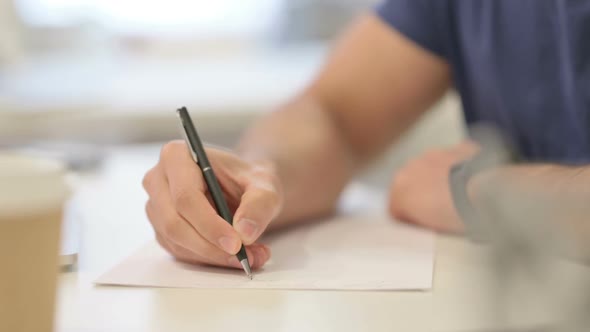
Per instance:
{"type": "Point", "coordinates": [400, 180]}
{"type": "Point", "coordinates": [156, 218]}
{"type": "Point", "coordinates": [270, 196]}
{"type": "Point", "coordinates": [170, 229]}
{"type": "Point", "coordinates": [268, 188]}
{"type": "Point", "coordinates": [398, 208]}
{"type": "Point", "coordinates": [170, 149]}
{"type": "Point", "coordinates": [261, 173]}
{"type": "Point", "coordinates": [264, 175]}
{"type": "Point", "coordinates": [276, 185]}
{"type": "Point", "coordinates": [148, 179]}
{"type": "Point", "coordinates": [182, 198]}
{"type": "Point", "coordinates": [268, 200]}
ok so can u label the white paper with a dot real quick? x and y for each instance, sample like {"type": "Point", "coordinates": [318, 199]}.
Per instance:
{"type": "Point", "coordinates": [339, 254]}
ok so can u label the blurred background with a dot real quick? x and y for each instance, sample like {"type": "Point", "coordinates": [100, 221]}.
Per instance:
{"type": "Point", "coordinates": [95, 83]}
{"type": "Point", "coordinates": [80, 77]}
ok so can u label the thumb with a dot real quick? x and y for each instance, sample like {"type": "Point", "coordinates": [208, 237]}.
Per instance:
{"type": "Point", "coordinates": [257, 208]}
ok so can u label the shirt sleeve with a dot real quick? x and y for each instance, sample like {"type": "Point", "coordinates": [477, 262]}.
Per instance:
{"type": "Point", "coordinates": [422, 21]}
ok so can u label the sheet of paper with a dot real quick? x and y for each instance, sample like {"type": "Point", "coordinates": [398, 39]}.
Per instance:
{"type": "Point", "coordinates": [369, 253]}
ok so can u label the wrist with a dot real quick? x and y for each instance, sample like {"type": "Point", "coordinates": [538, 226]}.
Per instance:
{"type": "Point", "coordinates": [475, 191]}
{"type": "Point", "coordinates": [461, 187]}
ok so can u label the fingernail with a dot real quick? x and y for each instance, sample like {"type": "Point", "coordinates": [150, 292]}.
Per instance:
{"type": "Point", "coordinates": [248, 228]}
{"type": "Point", "coordinates": [229, 244]}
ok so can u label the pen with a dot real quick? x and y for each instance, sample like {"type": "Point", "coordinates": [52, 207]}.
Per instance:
{"type": "Point", "coordinates": [200, 157]}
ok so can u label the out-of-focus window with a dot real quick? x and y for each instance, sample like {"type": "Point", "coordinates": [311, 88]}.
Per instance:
{"type": "Point", "coordinates": [145, 57]}
{"type": "Point", "coordinates": [266, 20]}
{"type": "Point", "coordinates": [170, 17]}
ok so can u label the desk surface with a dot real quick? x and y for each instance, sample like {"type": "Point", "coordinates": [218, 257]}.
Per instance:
{"type": "Point", "coordinates": [110, 207]}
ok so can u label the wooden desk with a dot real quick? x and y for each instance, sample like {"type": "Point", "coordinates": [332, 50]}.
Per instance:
{"type": "Point", "coordinates": [110, 207]}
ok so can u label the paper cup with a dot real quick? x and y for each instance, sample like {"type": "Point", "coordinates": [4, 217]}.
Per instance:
{"type": "Point", "coordinates": [33, 192]}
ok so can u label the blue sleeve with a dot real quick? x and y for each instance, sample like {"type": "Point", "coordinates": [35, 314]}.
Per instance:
{"type": "Point", "coordinates": [423, 21]}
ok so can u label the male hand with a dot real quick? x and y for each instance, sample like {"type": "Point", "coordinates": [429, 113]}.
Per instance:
{"type": "Point", "coordinates": [183, 215]}
{"type": "Point", "coordinates": [420, 192]}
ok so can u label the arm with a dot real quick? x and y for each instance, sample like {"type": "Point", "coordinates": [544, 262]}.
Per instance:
{"type": "Point", "coordinates": [292, 165]}
{"type": "Point", "coordinates": [374, 86]}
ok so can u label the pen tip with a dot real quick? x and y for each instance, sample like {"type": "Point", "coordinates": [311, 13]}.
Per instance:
{"type": "Point", "coordinates": [246, 267]}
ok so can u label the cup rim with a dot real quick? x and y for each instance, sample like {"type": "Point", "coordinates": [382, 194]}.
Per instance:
{"type": "Point", "coordinates": [31, 165]}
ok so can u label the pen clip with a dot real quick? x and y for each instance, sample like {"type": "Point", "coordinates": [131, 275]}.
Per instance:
{"type": "Point", "coordinates": [188, 142]}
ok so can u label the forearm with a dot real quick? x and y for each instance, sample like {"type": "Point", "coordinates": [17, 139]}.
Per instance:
{"type": "Point", "coordinates": [309, 154]}
{"type": "Point", "coordinates": [375, 84]}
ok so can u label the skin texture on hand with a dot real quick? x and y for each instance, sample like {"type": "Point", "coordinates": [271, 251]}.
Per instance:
{"type": "Point", "coordinates": [420, 192]}
{"type": "Point", "coordinates": [184, 217]}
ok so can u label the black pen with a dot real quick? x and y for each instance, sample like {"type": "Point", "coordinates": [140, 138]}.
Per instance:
{"type": "Point", "coordinates": [200, 157]}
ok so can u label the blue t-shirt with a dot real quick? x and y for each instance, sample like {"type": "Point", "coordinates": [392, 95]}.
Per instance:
{"type": "Point", "coordinates": [522, 65]}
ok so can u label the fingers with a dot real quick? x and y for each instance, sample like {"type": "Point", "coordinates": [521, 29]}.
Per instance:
{"type": "Point", "coordinates": [186, 222]}
{"type": "Point", "coordinates": [187, 191]}
{"type": "Point", "coordinates": [258, 255]}
{"type": "Point", "coordinates": [180, 240]}
{"type": "Point", "coordinates": [420, 193]}
{"type": "Point", "coordinates": [177, 231]}
{"type": "Point", "coordinates": [200, 214]}
{"type": "Point", "coordinates": [179, 252]}
{"type": "Point", "coordinates": [258, 207]}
